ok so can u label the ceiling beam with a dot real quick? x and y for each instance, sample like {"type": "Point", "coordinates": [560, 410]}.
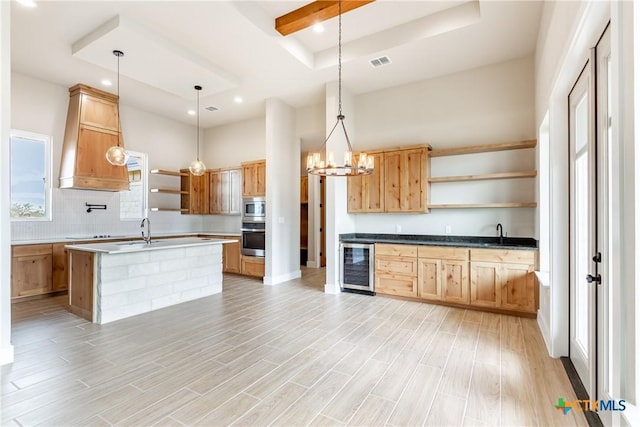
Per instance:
{"type": "Point", "coordinates": [314, 13]}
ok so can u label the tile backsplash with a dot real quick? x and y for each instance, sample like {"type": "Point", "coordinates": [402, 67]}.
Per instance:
{"type": "Point", "coordinates": [70, 218]}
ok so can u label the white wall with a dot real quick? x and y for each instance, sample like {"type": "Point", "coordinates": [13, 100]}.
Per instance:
{"type": "Point", "coordinates": [6, 349]}
{"type": "Point", "coordinates": [41, 107]}
{"type": "Point", "coordinates": [234, 143]}
{"type": "Point", "coordinates": [486, 105]}
{"type": "Point", "coordinates": [282, 261]}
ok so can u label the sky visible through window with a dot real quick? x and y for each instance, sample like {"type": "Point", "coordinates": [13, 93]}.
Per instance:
{"type": "Point", "coordinates": [27, 178]}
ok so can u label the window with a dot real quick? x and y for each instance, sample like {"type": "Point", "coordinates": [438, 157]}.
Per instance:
{"type": "Point", "coordinates": [133, 203]}
{"type": "Point", "coordinates": [30, 176]}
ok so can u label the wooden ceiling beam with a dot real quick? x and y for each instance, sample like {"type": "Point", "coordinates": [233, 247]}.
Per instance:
{"type": "Point", "coordinates": [314, 13]}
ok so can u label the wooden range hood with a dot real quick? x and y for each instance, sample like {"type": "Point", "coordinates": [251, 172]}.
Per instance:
{"type": "Point", "coordinates": [92, 127]}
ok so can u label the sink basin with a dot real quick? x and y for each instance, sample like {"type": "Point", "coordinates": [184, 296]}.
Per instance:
{"type": "Point", "coordinates": [138, 242]}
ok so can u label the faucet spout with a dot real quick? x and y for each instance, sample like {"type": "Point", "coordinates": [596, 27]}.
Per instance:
{"type": "Point", "coordinates": [499, 228]}
{"type": "Point", "coordinates": [146, 238]}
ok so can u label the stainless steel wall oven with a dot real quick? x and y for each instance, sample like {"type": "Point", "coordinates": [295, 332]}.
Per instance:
{"type": "Point", "coordinates": [356, 267]}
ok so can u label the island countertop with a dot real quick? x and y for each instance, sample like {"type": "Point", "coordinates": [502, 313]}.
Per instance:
{"type": "Point", "coordinates": [140, 245]}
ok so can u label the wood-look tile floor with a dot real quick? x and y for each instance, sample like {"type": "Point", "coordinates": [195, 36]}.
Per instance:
{"type": "Point", "coordinates": [283, 355]}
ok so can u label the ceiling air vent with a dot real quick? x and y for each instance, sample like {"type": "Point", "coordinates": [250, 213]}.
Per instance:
{"type": "Point", "coordinates": [211, 108]}
{"type": "Point", "coordinates": [379, 62]}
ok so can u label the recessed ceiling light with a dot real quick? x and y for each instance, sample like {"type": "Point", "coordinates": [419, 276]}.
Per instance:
{"type": "Point", "coordinates": [27, 3]}
{"type": "Point", "coordinates": [106, 82]}
{"type": "Point", "coordinates": [191, 112]}
{"type": "Point", "coordinates": [238, 100]}
{"type": "Point", "coordinates": [318, 28]}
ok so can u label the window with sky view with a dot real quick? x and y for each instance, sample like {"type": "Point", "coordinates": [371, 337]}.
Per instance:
{"type": "Point", "coordinates": [29, 176]}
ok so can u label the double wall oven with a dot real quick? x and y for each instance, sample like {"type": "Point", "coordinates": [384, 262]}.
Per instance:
{"type": "Point", "coordinates": [253, 226]}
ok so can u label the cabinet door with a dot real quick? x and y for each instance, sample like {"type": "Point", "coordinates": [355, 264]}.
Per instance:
{"type": "Point", "coordinates": [304, 189]}
{"type": "Point", "coordinates": [60, 272]}
{"type": "Point", "coordinates": [261, 179]}
{"type": "Point", "coordinates": [254, 179]}
{"type": "Point", "coordinates": [455, 281]}
{"type": "Point", "coordinates": [99, 113]}
{"type": "Point", "coordinates": [196, 198]}
{"type": "Point", "coordinates": [405, 180]}
{"type": "Point", "coordinates": [518, 287]}
{"type": "Point", "coordinates": [429, 278]}
{"type": "Point", "coordinates": [485, 284]}
{"type": "Point", "coordinates": [232, 257]}
{"type": "Point", "coordinates": [366, 193]}
{"type": "Point", "coordinates": [253, 266]}
{"type": "Point", "coordinates": [215, 192]}
{"type": "Point", "coordinates": [31, 270]}
{"type": "Point", "coordinates": [235, 191]}
{"type": "Point", "coordinates": [90, 158]}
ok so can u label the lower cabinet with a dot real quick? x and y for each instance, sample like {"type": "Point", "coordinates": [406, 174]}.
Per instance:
{"type": "Point", "coordinates": [396, 270]}
{"type": "Point", "coordinates": [31, 270]}
{"type": "Point", "coordinates": [252, 266]}
{"type": "Point", "coordinates": [231, 257]}
{"type": "Point", "coordinates": [485, 278]}
{"type": "Point", "coordinates": [60, 264]}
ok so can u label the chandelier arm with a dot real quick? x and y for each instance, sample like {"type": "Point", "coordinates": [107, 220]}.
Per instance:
{"type": "Point", "coordinates": [324, 144]}
{"type": "Point", "coordinates": [346, 135]}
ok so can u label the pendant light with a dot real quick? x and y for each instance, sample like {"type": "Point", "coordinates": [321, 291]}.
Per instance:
{"type": "Point", "coordinates": [315, 164]}
{"type": "Point", "coordinates": [117, 155]}
{"type": "Point", "coordinates": [197, 167]}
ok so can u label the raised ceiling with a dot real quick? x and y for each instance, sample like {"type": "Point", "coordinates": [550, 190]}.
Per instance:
{"type": "Point", "coordinates": [232, 49]}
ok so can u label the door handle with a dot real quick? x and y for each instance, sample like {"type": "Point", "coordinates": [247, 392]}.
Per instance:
{"type": "Point", "coordinates": [597, 278]}
{"type": "Point", "coordinates": [597, 257]}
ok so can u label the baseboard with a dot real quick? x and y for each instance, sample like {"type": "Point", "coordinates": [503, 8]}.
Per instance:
{"type": "Point", "coordinates": [312, 264]}
{"type": "Point", "coordinates": [6, 355]}
{"type": "Point", "coordinates": [581, 393]}
{"type": "Point", "coordinates": [274, 280]}
{"type": "Point", "coordinates": [544, 330]}
{"type": "Point", "coordinates": [331, 288]}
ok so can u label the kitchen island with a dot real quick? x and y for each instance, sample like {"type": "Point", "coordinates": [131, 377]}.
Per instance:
{"type": "Point", "coordinates": [116, 280]}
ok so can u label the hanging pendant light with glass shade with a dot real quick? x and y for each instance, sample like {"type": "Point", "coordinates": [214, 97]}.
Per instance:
{"type": "Point", "coordinates": [117, 155]}
{"type": "Point", "coordinates": [316, 165]}
{"type": "Point", "coordinates": [197, 167]}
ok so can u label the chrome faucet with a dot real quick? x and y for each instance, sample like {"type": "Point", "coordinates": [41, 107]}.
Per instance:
{"type": "Point", "coordinates": [499, 227]}
{"type": "Point", "coordinates": [146, 238]}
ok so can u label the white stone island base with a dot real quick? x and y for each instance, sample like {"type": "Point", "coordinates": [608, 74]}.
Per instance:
{"type": "Point", "coordinates": [110, 286]}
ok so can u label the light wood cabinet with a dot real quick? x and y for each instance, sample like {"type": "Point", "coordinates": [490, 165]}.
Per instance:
{"type": "Point", "coordinates": [60, 270]}
{"type": "Point", "coordinates": [91, 128]}
{"type": "Point", "coordinates": [399, 183]}
{"type": "Point", "coordinates": [81, 283]}
{"type": "Point", "coordinates": [254, 179]}
{"type": "Point", "coordinates": [396, 270]}
{"type": "Point", "coordinates": [253, 266]}
{"type": "Point", "coordinates": [231, 256]}
{"type": "Point", "coordinates": [405, 183]}
{"type": "Point", "coordinates": [366, 193]}
{"type": "Point", "coordinates": [504, 279]}
{"type": "Point", "coordinates": [31, 270]}
{"type": "Point", "coordinates": [225, 197]}
{"type": "Point", "coordinates": [194, 197]}
{"type": "Point", "coordinates": [443, 274]}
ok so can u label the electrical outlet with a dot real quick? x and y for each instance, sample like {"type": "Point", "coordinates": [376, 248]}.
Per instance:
{"type": "Point", "coordinates": [398, 228]}
{"type": "Point", "coordinates": [447, 229]}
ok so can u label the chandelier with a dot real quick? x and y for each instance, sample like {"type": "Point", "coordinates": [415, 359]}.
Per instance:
{"type": "Point", "coordinates": [117, 155]}
{"type": "Point", "coordinates": [316, 165]}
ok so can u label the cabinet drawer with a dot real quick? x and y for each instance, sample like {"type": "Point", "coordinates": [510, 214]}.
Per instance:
{"type": "Point", "coordinates": [29, 250]}
{"type": "Point", "coordinates": [396, 285]}
{"type": "Point", "coordinates": [397, 265]}
{"type": "Point", "coordinates": [397, 250]}
{"type": "Point", "coordinates": [443, 252]}
{"type": "Point", "coordinates": [504, 255]}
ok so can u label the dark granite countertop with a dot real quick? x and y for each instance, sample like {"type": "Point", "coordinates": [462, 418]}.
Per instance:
{"type": "Point", "coordinates": [524, 243]}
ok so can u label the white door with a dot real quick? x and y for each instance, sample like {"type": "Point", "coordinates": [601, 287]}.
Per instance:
{"type": "Point", "coordinates": [590, 207]}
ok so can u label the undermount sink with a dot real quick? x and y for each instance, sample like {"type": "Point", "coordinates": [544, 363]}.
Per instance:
{"type": "Point", "coordinates": [138, 242]}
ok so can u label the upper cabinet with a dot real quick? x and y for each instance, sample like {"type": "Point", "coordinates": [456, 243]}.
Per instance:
{"type": "Point", "coordinates": [92, 127]}
{"type": "Point", "coordinates": [224, 191]}
{"type": "Point", "coordinates": [398, 183]}
{"type": "Point", "coordinates": [195, 193]}
{"type": "Point", "coordinates": [254, 179]}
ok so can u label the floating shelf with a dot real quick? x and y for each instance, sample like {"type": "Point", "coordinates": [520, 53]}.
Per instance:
{"type": "Point", "coordinates": [505, 175]}
{"type": "Point", "coordinates": [167, 172]}
{"type": "Point", "coordinates": [485, 205]}
{"type": "Point", "coordinates": [168, 191]}
{"type": "Point", "coordinates": [487, 148]}
{"type": "Point", "coordinates": [169, 210]}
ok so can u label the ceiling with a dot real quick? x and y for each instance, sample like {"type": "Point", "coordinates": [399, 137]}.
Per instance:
{"type": "Point", "coordinates": [232, 49]}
